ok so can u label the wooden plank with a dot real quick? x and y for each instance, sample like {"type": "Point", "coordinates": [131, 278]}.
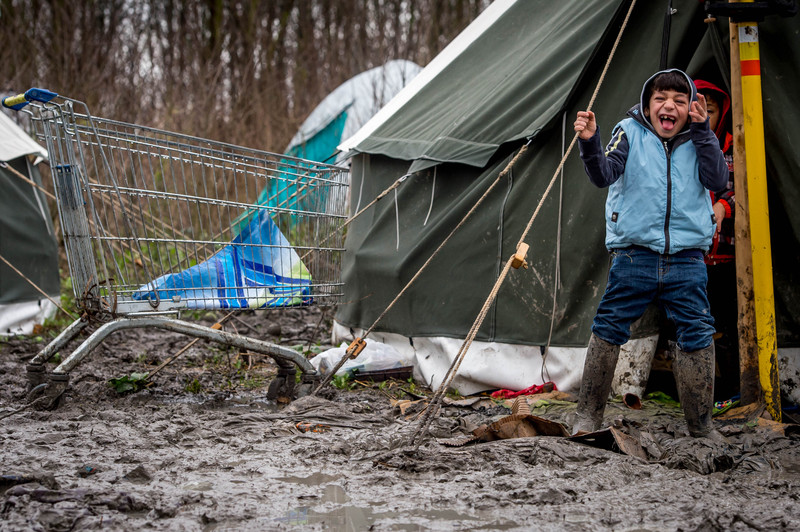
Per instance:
{"type": "Point", "coordinates": [749, 386]}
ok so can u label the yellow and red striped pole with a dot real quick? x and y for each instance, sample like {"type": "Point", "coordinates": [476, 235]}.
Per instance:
{"type": "Point", "coordinates": [750, 61]}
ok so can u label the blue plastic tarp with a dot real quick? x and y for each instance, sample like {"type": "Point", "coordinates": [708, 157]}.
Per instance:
{"type": "Point", "coordinates": [258, 269]}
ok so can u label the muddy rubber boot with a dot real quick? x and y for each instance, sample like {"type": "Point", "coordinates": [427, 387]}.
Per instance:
{"type": "Point", "coordinates": [598, 372]}
{"type": "Point", "coordinates": [694, 376]}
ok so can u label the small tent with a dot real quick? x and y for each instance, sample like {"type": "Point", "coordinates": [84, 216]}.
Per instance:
{"type": "Point", "coordinates": [338, 116]}
{"type": "Point", "coordinates": [347, 108]}
{"type": "Point", "coordinates": [519, 73]}
{"type": "Point", "coordinates": [27, 239]}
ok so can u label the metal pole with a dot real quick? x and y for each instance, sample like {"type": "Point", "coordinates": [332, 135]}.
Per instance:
{"type": "Point", "coordinates": [750, 65]}
{"type": "Point", "coordinates": [749, 385]}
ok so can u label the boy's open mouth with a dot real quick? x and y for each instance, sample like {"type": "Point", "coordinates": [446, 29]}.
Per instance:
{"type": "Point", "coordinates": [667, 122]}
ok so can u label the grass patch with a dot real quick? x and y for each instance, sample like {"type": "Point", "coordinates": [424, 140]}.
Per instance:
{"type": "Point", "coordinates": [129, 383]}
{"type": "Point", "coordinates": [193, 386]}
{"type": "Point", "coordinates": [343, 382]}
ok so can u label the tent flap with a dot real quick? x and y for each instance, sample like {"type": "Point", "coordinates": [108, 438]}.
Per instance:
{"type": "Point", "coordinates": [27, 239]}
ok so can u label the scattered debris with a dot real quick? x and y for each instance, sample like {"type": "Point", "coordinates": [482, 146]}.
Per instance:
{"type": "Point", "coordinates": [520, 424]}
{"type": "Point", "coordinates": [613, 439]}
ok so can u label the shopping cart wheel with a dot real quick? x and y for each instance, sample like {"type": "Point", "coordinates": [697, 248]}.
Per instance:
{"type": "Point", "coordinates": [36, 375]}
{"type": "Point", "coordinates": [281, 386]}
{"type": "Point", "coordinates": [308, 383]}
{"type": "Point", "coordinates": [48, 395]}
{"type": "Point", "coordinates": [303, 390]}
{"type": "Point", "coordinates": [275, 388]}
{"type": "Point", "coordinates": [284, 382]}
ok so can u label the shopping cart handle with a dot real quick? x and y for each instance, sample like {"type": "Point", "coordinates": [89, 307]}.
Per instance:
{"type": "Point", "coordinates": [31, 95]}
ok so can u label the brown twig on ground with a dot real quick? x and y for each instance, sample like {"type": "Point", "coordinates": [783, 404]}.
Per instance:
{"type": "Point", "coordinates": [244, 323]}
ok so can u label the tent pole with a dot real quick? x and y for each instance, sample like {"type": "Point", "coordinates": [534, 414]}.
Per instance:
{"type": "Point", "coordinates": [749, 386]}
{"type": "Point", "coordinates": [749, 61]}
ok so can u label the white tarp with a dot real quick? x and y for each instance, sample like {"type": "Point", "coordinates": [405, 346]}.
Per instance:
{"type": "Point", "coordinates": [487, 365]}
{"type": "Point", "coordinates": [493, 365]}
{"type": "Point", "coordinates": [19, 318]}
{"type": "Point", "coordinates": [14, 142]}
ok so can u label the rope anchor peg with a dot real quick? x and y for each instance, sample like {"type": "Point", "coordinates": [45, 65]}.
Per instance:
{"type": "Point", "coordinates": [356, 347]}
{"type": "Point", "coordinates": [519, 257]}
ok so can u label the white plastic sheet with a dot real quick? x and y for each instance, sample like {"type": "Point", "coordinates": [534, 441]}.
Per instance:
{"type": "Point", "coordinates": [375, 356]}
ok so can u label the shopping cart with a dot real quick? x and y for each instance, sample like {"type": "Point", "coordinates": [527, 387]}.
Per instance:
{"type": "Point", "coordinates": [157, 223]}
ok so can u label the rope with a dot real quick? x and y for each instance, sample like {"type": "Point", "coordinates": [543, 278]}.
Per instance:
{"type": "Point", "coordinates": [361, 187]}
{"type": "Point", "coordinates": [434, 405]}
{"type": "Point", "coordinates": [31, 182]}
{"type": "Point", "coordinates": [37, 288]}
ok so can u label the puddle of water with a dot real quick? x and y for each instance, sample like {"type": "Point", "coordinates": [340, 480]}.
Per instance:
{"type": "Point", "coordinates": [198, 486]}
{"type": "Point", "coordinates": [355, 518]}
{"type": "Point", "coordinates": [314, 479]}
{"type": "Point", "coordinates": [219, 402]}
{"type": "Point", "coordinates": [351, 518]}
{"type": "Point", "coordinates": [345, 518]}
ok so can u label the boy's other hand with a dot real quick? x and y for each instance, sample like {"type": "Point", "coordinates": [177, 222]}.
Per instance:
{"type": "Point", "coordinates": [719, 214]}
{"type": "Point", "coordinates": [698, 109]}
{"type": "Point", "coordinates": [585, 124]}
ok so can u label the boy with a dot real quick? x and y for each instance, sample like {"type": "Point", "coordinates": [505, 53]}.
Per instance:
{"type": "Point", "coordinates": [660, 164]}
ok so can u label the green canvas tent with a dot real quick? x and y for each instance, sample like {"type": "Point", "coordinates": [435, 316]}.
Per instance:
{"type": "Point", "coordinates": [27, 240]}
{"type": "Point", "coordinates": [519, 72]}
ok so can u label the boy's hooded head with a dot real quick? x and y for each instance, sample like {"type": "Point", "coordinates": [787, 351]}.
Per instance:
{"type": "Point", "coordinates": [666, 99]}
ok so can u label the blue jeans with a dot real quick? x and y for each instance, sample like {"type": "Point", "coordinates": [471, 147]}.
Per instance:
{"type": "Point", "coordinates": [677, 283]}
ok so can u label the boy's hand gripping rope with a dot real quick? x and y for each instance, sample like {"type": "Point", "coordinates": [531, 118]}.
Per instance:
{"type": "Point", "coordinates": [434, 405]}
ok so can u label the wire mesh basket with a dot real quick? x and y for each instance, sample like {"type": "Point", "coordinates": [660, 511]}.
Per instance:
{"type": "Point", "coordinates": [156, 222]}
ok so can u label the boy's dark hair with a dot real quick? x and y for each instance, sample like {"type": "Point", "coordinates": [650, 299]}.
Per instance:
{"type": "Point", "coordinates": [711, 94]}
{"type": "Point", "coordinates": [668, 81]}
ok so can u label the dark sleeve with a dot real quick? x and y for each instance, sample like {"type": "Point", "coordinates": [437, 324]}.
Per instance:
{"type": "Point", "coordinates": [604, 168]}
{"type": "Point", "coordinates": [713, 168]}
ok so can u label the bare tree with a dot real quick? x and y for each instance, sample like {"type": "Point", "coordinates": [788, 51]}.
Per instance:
{"type": "Point", "coordinates": [244, 71]}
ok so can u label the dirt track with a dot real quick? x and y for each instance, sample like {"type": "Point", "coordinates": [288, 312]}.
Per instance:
{"type": "Point", "coordinates": [165, 458]}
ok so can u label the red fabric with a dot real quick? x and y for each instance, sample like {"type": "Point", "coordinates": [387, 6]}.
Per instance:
{"type": "Point", "coordinates": [728, 212]}
{"type": "Point", "coordinates": [727, 143]}
{"type": "Point", "coordinates": [536, 388]}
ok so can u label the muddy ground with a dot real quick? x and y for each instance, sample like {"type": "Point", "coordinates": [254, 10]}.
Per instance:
{"type": "Point", "coordinates": [202, 449]}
